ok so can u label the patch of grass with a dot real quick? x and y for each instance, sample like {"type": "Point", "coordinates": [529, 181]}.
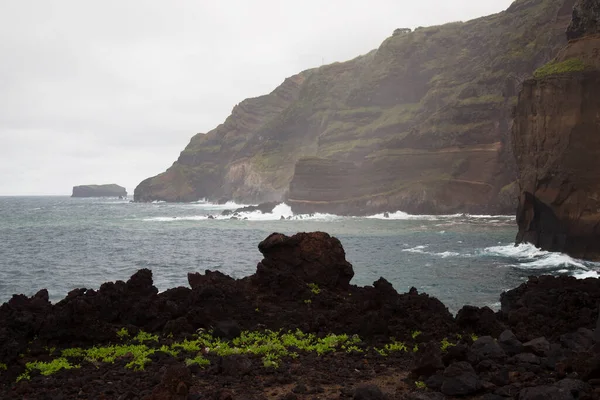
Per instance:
{"type": "Point", "coordinates": [395, 346]}
{"type": "Point", "coordinates": [73, 352]}
{"type": "Point", "coordinates": [142, 337]}
{"type": "Point", "coordinates": [46, 368]}
{"type": "Point", "coordinates": [553, 68]}
{"type": "Point", "coordinates": [198, 360]}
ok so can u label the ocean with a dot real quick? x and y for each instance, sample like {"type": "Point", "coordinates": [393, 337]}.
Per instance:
{"type": "Point", "coordinates": [62, 243]}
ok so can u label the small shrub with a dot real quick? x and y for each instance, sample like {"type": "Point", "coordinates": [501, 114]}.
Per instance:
{"type": "Point", "coordinates": [444, 344]}
{"type": "Point", "coordinates": [123, 333]}
{"type": "Point", "coordinates": [198, 360]}
{"type": "Point", "coordinates": [142, 337]}
{"type": "Point", "coordinates": [74, 352]}
{"type": "Point", "coordinates": [554, 68]}
{"type": "Point", "coordinates": [51, 367]}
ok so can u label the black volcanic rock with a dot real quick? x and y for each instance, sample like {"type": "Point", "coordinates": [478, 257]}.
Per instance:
{"type": "Point", "coordinates": [111, 190]}
{"type": "Point", "coordinates": [315, 258]}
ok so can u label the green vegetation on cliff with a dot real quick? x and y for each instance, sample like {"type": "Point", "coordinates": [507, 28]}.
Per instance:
{"type": "Point", "coordinates": [564, 67]}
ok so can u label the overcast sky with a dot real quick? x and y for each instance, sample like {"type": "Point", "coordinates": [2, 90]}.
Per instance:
{"type": "Point", "coordinates": [111, 91]}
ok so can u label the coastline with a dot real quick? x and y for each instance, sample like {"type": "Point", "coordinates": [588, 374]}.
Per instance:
{"type": "Point", "coordinates": [303, 283]}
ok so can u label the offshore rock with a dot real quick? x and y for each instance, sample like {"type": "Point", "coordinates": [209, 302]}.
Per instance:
{"type": "Point", "coordinates": [111, 190]}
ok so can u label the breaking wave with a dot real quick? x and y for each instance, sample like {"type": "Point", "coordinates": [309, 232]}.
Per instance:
{"type": "Point", "coordinates": [527, 257]}
{"type": "Point", "coordinates": [280, 212]}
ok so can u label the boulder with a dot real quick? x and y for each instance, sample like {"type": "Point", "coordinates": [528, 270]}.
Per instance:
{"type": "Point", "coordinates": [545, 393]}
{"type": "Point", "coordinates": [460, 379]}
{"type": "Point", "coordinates": [313, 258]}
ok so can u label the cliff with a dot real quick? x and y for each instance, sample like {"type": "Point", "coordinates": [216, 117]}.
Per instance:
{"type": "Point", "coordinates": [111, 190]}
{"type": "Point", "coordinates": [556, 140]}
{"type": "Point", "coordinates": [422, 122]}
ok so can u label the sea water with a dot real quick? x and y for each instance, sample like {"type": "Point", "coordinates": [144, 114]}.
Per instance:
{"type": "Point", "coordinates": [62, 243]}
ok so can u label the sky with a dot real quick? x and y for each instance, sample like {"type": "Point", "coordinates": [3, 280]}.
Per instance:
{"type": "Point", "coordinates": [111, 91]}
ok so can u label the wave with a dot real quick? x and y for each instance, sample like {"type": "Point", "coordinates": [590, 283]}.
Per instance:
{"type": "Point", "coordinates": [527, 257]}
{"type": "Point", "coordinates": [230, 205]}
{"type": "Point", "coordinates": [421, 250]}
{"type": "Point", "coordinates": [401, 215]}
{"type": "Point", "coordinates": [280, 212]}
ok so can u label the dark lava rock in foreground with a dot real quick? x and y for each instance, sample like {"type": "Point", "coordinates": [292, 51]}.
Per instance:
{"type": "Point", "coordinates": [302, 282]}
{"type": "Point", "coordinates": [541, 343]}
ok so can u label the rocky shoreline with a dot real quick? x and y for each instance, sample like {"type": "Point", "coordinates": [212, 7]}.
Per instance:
{"type": "Point", "coordinates": [540, 344]}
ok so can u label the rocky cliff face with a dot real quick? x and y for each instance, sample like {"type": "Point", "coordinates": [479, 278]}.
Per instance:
{"type": "Point", "coordinates": [111, 190]}
{"type": "Point", "coordinates": [556, 140]}
{"type": "Point", "coordinates": [420, 124]}
{"type": "Point", "coordinates": [586, 19]}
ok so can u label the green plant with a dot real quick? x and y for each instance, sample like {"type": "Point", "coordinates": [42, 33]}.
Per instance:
{"type": "Point", "coordinates": [25, 375]}
{"type": "Point", "coordinates": [354, 348]}
{"type": "Point", "coordinates": [444, 344]}
{"type": "Point", "coordinates": [198, 360]}
{"type": "Point", "coordinates": [142, 337]}
{"type": "Point", "coordinates": [123, 333]}
{"type": "Point", "coordinates": [307, 301]}
{"type": "Point", "coordinates": [3, 366]}
{"type": "Point", "coordinates": [420, 385]}
{"type": "Point", "coordinates": [166, 349]}
{"type": "Point", "coordinates": [415, 334]}
{"type": "Point", "coordinates": [474, 337]}
{"type": "Point", "coordinates": [49, 368]}
{"type": "Point", "coordinates": [314, 288]}
{"type": "Point", "coordinates": [415, 348]}
{"type": "Point", "coordinates": [73, 352]}
{"type": "Point", "coordinates": [270, 360]}
{"type": "Point", "coordinates": [553, 68]}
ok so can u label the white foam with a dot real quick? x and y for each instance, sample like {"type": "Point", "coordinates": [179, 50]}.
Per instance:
{"type": "Point", "coordinates": [416, 249]}
{"type": "Point", "coordinates": [553, 260]}
{"type": "Point", "coordinates": [523, 250]}
{"type": "Point", "coordinates": [284, 212]}
{"type": "Point", "coordinates": [586, 274]}
{"type": "Point", "coordinates": [401, 215]}
{"type": "Point", "coordinates": [280, 212]}
{"type": "Point", "coordinates": [421, 250]}
{"type": "Point", "coordinates": [447, 254]}
{"type": "Point", "coordinates": [230, 205]}
{"type": "Point", "coordinates": [526, 256]}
